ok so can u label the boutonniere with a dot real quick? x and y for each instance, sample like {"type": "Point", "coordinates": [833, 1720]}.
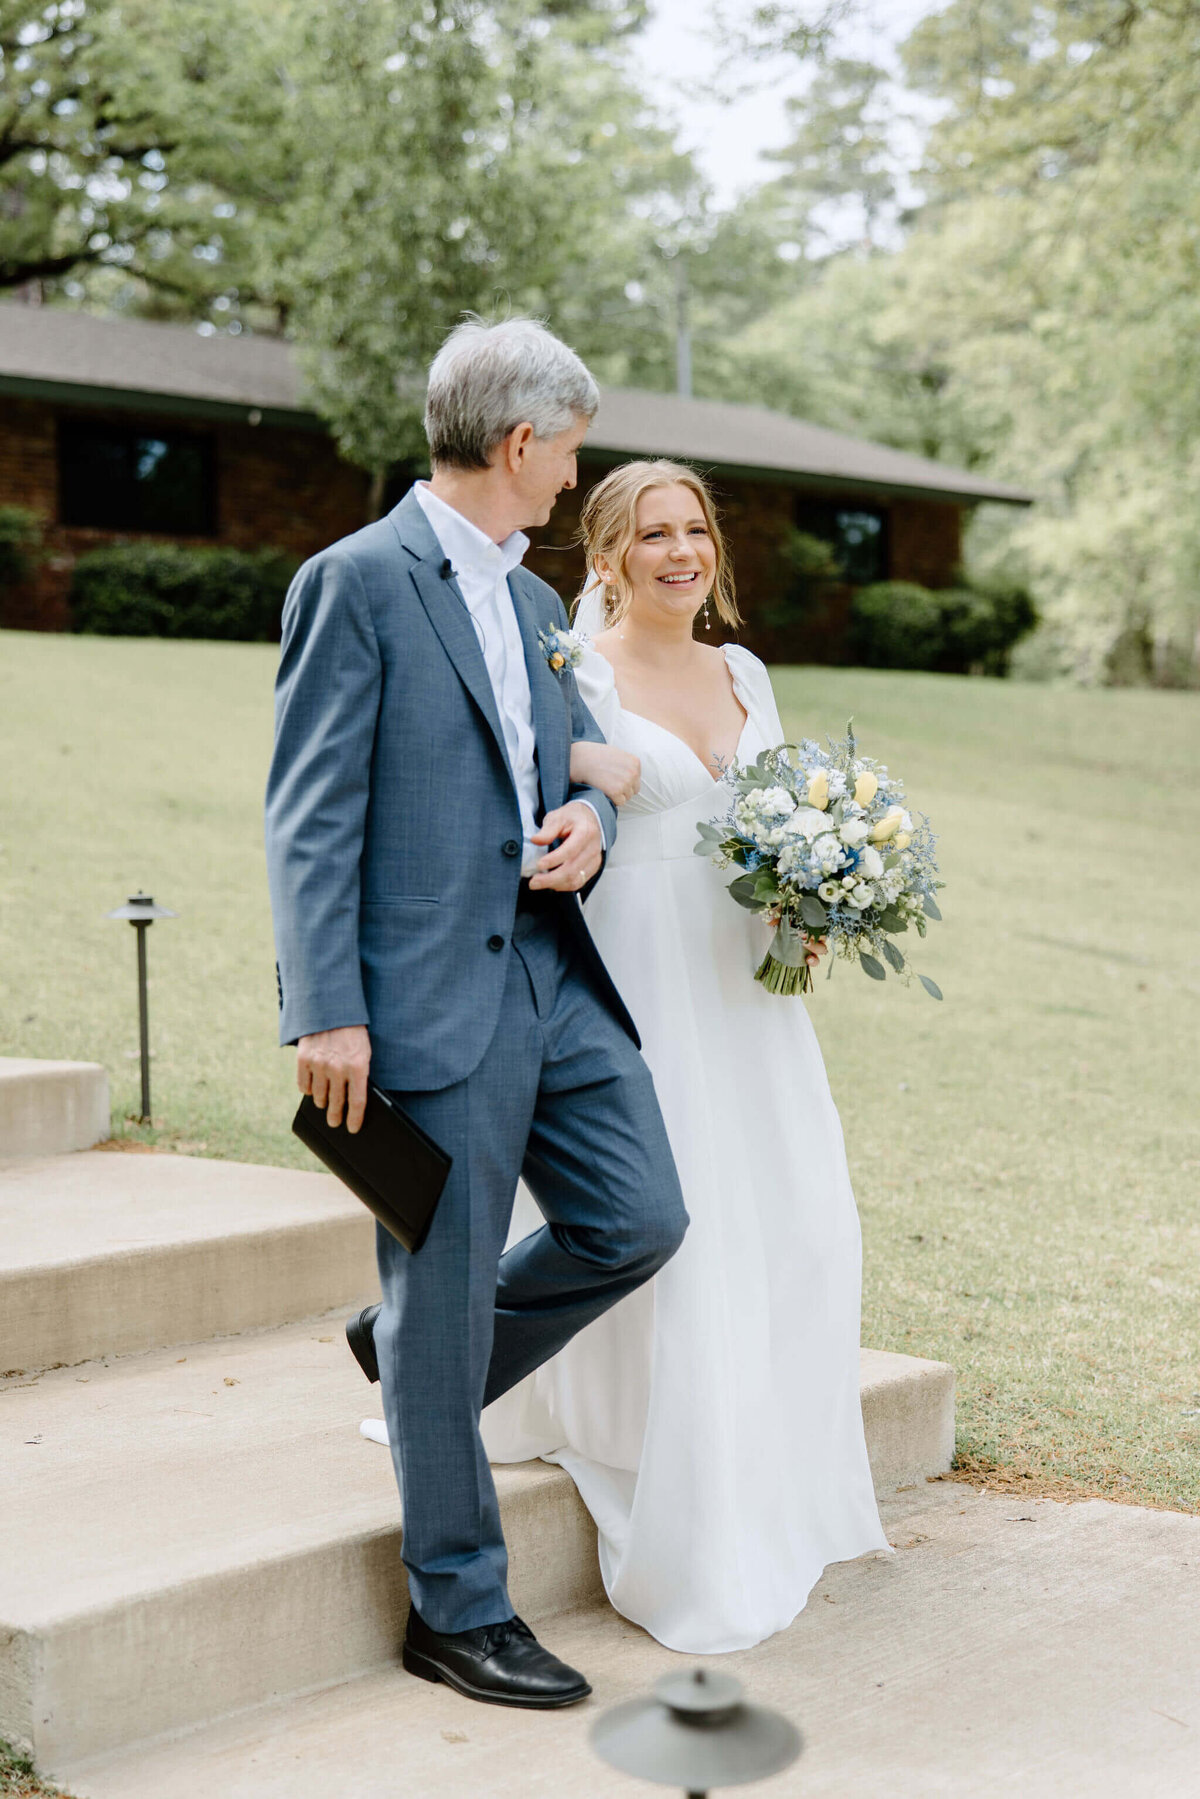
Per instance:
{"type": "Point", "coordinates": [562, 649]}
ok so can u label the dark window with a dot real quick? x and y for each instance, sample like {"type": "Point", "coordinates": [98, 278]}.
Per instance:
{"type": "Point", "coordinates": [123, 478]}
{"type": "Point", "coordinates": [858, 535]}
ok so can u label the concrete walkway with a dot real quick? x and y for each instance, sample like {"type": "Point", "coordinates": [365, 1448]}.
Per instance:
{"type": "Point", "coordinates": [1009, 1647]}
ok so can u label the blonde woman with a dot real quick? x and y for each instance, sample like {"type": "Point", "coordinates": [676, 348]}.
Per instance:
{"type": "Point", "coordinates": [711, 1420]}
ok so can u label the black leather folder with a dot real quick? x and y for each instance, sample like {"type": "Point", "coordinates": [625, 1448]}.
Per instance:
{"type": "Point", "coordinates": [395, 1169]}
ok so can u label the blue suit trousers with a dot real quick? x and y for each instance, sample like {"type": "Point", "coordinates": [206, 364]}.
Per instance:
{"type": "Point", "coordinates": [562, 1098]}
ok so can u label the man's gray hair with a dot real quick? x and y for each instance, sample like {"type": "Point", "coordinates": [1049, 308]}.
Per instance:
{"type": "Point", "coordinates": [487, 379]}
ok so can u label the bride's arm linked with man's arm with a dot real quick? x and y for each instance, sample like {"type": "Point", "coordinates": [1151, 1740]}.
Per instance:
{"type": "Point", "coordinates": [615, 772]}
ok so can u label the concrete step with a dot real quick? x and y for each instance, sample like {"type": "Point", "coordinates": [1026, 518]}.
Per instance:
{"type": "Point", "coordinates": [1010, 1646]}
{"type": "Point", "coordinates": [193, 1531]}
{"type": "Point", "coordinates": [51, 1108]}
{"type": "Point", "coordinates": [109, 1254]}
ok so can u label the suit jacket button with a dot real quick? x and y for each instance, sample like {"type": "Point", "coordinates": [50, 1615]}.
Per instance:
{"type": "Point", "coordinates": [495, 943]}
{"type": "Point", "coordinates": [512, 847]}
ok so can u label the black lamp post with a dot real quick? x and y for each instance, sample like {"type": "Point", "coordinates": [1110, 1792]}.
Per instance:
{"type": "Point", "coordinates": [141, 912]}
{"type": "Point", "coordinates": [696, 1732]}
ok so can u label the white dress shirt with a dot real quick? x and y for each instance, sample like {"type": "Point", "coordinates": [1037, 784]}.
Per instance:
{"type": "Point", "coordinates": [482, 568]}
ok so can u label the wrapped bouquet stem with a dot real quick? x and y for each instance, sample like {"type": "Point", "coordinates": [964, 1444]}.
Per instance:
{"type": "Point", "coordinates": [828, 853]}
{"type": "Point", "coordinates": [791, 958]}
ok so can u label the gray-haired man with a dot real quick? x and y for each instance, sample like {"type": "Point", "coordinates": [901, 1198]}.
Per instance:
{"type": "Point", "coordinates": [427, 852]}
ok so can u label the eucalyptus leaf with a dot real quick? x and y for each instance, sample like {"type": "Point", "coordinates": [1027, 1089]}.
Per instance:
{"type": "Point", "coordinates": [742, 891]}
{"type": "Point", "coordinates": [706, 848]}
{"type": "Point", "coordinates": [813, 913]}
{"type": "Point", "coordinates": [893, 957]}
{"type": "Point", "coordinates": [870, 966]}
{"type": "Point", "coordinates": [930, 907]}
{"type": "Point", "coordinates": [931, 987]}
{"type": "Point", "coordinates": [891, 920]}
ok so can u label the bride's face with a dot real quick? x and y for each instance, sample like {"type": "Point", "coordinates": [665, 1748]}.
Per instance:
{"type": "Point", "coordinates": [672, 562]}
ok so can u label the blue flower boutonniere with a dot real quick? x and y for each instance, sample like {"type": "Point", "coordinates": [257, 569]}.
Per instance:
{"type": "Point", "coordinates": [562, 649]}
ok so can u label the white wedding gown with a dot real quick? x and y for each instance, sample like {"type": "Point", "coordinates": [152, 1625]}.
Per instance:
{"type": "Point", "coordinates": [711, 1421]}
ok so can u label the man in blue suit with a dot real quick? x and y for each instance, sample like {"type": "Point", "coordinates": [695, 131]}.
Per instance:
{"type": "Point", "coordinates": [428, 850]}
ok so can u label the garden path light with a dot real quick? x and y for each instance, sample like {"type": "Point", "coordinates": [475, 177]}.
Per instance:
{"type": "Point", "coordinates": [141, 912]}
{"type": "Point", "coordinates": [696, 1732]}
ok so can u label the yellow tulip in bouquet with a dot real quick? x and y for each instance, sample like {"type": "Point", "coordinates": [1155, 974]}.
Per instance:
{"type": "Point", "coordinates": [829, 854]}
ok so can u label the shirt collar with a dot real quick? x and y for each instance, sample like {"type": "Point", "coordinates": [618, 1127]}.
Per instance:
{"type": "Point", "coordinates": [464, 543]}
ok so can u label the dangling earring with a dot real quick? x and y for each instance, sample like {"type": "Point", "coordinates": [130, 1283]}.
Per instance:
{"type": "Point", "coordinates": [707, 620]}
{"type": "Point", "coordinates": [609, 600]}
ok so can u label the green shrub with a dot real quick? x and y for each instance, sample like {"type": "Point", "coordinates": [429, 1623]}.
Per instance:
{"type": "Point", "coordinates": [20, 544]}
{"type": "Point", "coordinates": [895, 624]}
{"type": "Point", "coordinates": [969, 629]}
{"type": "Point", "coordinates": [164, 590]}
{"type": "Point", "coordinates": [981, 624]}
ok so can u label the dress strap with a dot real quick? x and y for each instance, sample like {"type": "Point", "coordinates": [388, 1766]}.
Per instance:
{"type": "Point", "coordinates": [752, 685]}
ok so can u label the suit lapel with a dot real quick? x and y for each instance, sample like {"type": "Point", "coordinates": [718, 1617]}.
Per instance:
{"type": "Point", "coordinates": [549, 712]}
{"type": "Point", "coordinates": [447, 612]}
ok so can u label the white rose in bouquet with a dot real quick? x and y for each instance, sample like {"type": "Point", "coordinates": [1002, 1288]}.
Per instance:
{"type": "Point", "coordinates": [806, 822]}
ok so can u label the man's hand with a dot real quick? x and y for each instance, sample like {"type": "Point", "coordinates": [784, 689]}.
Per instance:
{"type": "Point", "coordinates": [617, 773]}
{"type": "Point", "coordinates": [579, 853]}
{"type": "Point", "coordinates": [332, 1066]}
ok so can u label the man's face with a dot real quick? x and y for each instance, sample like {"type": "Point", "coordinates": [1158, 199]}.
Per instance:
{"type": "Point", "coordinates": [542, 466]}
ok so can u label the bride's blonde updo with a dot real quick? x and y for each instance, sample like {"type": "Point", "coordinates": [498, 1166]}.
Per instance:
{"type": "Point", "coordinates": [609, 524]}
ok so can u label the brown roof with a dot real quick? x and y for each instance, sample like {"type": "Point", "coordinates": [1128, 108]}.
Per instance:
{"type": "Point", "coordinates": [62, 354]}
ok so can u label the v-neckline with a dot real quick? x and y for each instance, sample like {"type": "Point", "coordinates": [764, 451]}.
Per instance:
{"type": "Point", "coordinates": [667, 731]}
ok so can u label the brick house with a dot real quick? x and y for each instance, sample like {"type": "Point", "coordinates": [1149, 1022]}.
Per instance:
{"type": "Point", "coordinates": [112, 429]}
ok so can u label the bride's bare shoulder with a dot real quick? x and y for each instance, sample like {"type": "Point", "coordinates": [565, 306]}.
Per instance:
{"type": "Point", "coordinates": [605, 644]}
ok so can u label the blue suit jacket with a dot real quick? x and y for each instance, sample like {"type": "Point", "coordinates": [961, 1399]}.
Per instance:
{"type": "Point", "coordinates": [393, 831]}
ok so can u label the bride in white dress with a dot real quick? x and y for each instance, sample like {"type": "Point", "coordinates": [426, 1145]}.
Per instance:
{"type": "Point", "coordinates": [711, 1421]}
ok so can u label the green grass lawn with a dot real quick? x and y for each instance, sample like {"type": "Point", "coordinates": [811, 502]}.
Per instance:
{"type": "Point", "coordinates": [1025, 1155]}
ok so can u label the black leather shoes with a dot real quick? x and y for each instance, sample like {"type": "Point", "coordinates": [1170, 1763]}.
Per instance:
{"type": "Point", "coordinates": [360, 1335]}
{"type": "Point", "coordinates": [502, 1664]}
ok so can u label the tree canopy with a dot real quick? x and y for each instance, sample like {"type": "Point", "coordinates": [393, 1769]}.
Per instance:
{"type": "Point", "coordinates": [124, 127]}
{"type": "Point", "coordinates": [1040, 317]}
{"type": "Point", "coordinates": [1019, 296]}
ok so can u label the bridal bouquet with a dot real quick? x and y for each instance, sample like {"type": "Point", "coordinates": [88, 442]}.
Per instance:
{"type": "Point", "coordinates": [830, 856]}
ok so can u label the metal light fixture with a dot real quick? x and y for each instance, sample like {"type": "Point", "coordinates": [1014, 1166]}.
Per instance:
{"type": "Point", "coordinates": [141, 912]}
{"type": "Point", "coordinates": [696, 1732]}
